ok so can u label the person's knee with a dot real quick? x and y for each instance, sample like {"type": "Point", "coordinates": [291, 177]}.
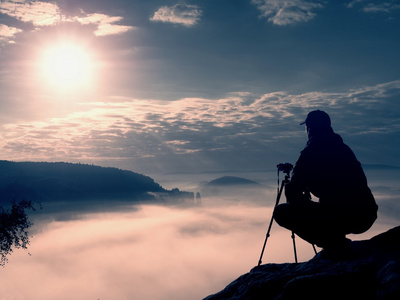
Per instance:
{"type": "Point", "coordinates": [281, 214]}
{"type": "Point", "coordinates": [361, 224]}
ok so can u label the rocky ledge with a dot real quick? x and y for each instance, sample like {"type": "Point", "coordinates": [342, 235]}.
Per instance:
{"type": "Point", "coordinates": [368, 269]}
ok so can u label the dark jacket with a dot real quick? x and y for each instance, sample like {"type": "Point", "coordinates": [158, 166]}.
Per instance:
{"type": "Point", "coordinates": [329, 170]}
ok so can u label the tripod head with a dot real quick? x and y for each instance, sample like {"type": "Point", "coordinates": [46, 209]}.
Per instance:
{"type": "Point", "coordinates": [286, 168]}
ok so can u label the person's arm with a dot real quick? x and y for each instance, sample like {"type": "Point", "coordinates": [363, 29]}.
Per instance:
{"type": "Point", "coordinates": [297, 190]}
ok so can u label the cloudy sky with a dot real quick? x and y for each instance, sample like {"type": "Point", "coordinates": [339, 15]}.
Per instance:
{"type": "Point", "coordinates": [200, 85]}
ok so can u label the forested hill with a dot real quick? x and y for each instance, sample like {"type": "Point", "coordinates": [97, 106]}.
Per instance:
{"type": "Point", "coordinates": [45, 181]}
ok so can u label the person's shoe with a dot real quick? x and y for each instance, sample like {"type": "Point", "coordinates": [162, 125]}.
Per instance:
{"type": "Point", "coordinates": [338, 250]}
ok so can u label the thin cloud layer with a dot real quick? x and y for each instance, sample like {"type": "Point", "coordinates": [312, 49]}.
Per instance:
{"type": "Point", "coordinates": [157, 133]}
{"type": "Point", "coordinates": [42, 14]}
{"type": "Point", "coordinates": [36, 12]}
{"type": "Point", "coordinates": [105, 24]}
{"type": "Point", "coordinates": [288, 11]}
{"type": "Point", "coordinates": [374, 7]}
{"type": "Point", "coordinates": [7, 33]}
{"type": "Point", "coordinates": [181, 13]}
{"type": "Point", "coordinates": [187, 253]}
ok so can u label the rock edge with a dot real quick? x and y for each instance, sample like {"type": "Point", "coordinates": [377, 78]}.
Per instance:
{"type": "Point", "coordinates": [368, 269]}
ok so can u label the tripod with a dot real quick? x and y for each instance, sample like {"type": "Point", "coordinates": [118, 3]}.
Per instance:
{"type": "Point", "coordinates": [286, 168]}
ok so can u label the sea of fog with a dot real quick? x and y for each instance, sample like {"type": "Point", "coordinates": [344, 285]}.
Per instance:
{"type": "Point", "coordinates": [160, 252]}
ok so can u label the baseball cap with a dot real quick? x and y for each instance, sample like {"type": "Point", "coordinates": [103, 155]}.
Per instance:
{"type": "Point", "coordinates": [317, 118]}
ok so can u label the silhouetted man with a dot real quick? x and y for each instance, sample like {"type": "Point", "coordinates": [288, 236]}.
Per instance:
{"type": "Point", "coordinates": [328, 169]}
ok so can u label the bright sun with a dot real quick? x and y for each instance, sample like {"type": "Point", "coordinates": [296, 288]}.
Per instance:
{"type": "Point", "coordinates": [67, 67]}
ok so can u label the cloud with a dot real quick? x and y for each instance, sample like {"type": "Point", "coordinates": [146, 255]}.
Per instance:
{"type": "Point", "coordinates": [36, 12]}
{"type": "Point", "coordinates": [181, 13]}
{"type": "Point", "coordinates": [373, 7]}
{"type": "Point", "coordinates": [105, 24]}
{"type": "Point", "coordinates": [185, 253]}
{"type": "Point", "coordinates": [286, 12]}
{"type": "Point", "coordinates": [42, 14]}
{"type": "Point", "coordinates": [8, 33]}
{"type": "Point", "coordinates": [189, 132]}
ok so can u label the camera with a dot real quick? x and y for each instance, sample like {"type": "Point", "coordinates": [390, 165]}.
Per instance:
{"type": "Point", "coordinates": [285, 167]}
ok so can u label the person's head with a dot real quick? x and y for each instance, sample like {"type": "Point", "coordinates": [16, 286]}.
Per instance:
{"type": "Point", "coordinates": [317, 121]}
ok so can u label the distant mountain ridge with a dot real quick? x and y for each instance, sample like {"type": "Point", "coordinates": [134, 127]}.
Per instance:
{"type": "Point", "coordinates": [48, 181]}
{"type": "Point", "coordinates": [233, 188]}
{"type": "Point", "coordinates": [231, 180]}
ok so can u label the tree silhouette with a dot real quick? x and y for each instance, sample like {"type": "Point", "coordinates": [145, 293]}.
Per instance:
{"type": "Point", "coordinates": [14, 226]}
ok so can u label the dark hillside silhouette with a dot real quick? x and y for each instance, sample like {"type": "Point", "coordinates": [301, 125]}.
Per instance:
{"type": "Point", "coordinates": [233, 188]}
{"type": "Point", "coordinates": [231, 180]}
{"type": "Point", "coordinates": [44, 181]}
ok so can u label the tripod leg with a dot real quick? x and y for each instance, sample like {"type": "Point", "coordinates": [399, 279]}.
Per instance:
{"type": "Point", "coordinates": [265, 241]}
{"type": "Point", "coordinates": [294, 247]}
{"type": "Point", "coordinates": [278, 197]}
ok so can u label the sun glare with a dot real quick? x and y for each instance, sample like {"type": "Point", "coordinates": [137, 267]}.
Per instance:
{"type": "Point", "coordinates": [67, 66]}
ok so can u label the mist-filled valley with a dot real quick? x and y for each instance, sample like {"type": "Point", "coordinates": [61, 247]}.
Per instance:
{"type": "Point", "coordinates": [188, 250]}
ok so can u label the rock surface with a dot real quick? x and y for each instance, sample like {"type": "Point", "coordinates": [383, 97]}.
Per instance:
{"type": "Point", "coordinates": [368, 269]}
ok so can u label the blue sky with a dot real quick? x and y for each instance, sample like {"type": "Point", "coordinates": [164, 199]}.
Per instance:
{"type": "Point", "coordinates": [169, 86]}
